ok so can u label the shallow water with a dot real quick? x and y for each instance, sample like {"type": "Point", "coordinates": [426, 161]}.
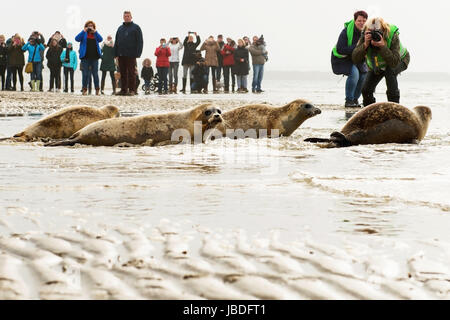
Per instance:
{"type": "Point", "coordinates": [397, 192]}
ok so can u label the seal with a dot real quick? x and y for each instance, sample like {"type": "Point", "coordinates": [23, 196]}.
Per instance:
{"type": "Point", "coordinates": [380, 123]}
{"type": "Point", "coordinates": [64, 123]}
{"type": "Point", "coordinates": [258, 118]}
{"type": "Point", "coordinates": [149, 130]}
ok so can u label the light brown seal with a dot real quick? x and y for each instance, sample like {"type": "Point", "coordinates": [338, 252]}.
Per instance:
{"type": "Point", "coordinates": [64, 123]}
{"type": "Point", "coordinates": [150, 130]}
{"type": "Point", "coordinates": [379, 123]}
{"type": "Point", "coordinates": [254, 119]}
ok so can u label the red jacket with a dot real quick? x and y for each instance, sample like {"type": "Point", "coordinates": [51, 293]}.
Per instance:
{"type": "Point", "coordinates": [163, 55]}
{"type": "Point", "coordinates": [228, 55]}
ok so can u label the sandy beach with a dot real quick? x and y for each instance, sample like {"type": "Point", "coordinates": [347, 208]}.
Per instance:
{"type": "Point", "coordinates": [225, 220]}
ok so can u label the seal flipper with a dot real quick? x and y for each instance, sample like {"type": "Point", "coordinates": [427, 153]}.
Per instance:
{"type": "Point", "coordinates": [339, 139]}
{"type": "Point", "coordinates": [317, 140]}
{"type": "Point", "coordinates": [5, 139]}
{"type": "Point", "coordinates": [68, 142]}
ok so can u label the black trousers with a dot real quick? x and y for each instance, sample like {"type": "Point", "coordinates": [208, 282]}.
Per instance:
{"type": "Point", "coordinates": [55, 78]}
{"type": "Point", "coordinates": [68, 72]}
{"type": "Point", "coordinates": [17, 70]}
{"type": "Point", "coordinates": [113, 80]}
{"type": "Point", "coordinates": [2, 75]}
{"type": "Point", "coordinates": [372, 80]}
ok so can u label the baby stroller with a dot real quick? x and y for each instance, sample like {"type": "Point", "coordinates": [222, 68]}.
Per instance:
{"type": "Point", "coordinates": [154, 83]}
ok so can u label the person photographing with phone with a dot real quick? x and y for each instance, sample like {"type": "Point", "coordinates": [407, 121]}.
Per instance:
{"type": "Point", "coordinates": [385, 56]}
{"type": "Point", "coordinates": [189, 58]}
{"type": "Point", "coordinates": [162, 54]}
{"type": "Point", "coordinates": [90, 53]}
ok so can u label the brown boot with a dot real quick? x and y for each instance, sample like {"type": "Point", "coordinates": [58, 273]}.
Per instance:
{"type": "Point", "coordinates": [84, 92]}
{"type": "Point", "coordinates": [97, 91]}
{"type": "Point", "coordinates": [174, 88]}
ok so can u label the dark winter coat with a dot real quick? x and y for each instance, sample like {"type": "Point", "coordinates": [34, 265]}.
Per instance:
{"type": "Point", "coordinates": [189, 51]}
{"type": "Point", "coordinates": [108, 59]}
{"type": "Point", "coordinates": [54, 57]}
{"type": "Point", "coordinates": [344, 65]}
{"type": "Point", "coordinates": [129, 41]}
{"type": "Point", "coordinates": [3, 55]}
{"type": "Point", "coordinates": [219, 54]}
{"type": "Point", "coordinates": [241, 67]}
{"type": "Point", "coordinates": [16, 56]}
{"type": "Point", "coordinates": [147, 73]}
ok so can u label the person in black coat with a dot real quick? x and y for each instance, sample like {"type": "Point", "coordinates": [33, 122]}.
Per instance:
{"type": "Point", "coordinates": [341, 59]}
{"type": "Point", "coordinates": [189, 58]}
{"type": "Point", "coordinates": [241, 66]}
{"type": "Point", "coordinates": [54, 64]}
{"type": "Point", "coordinates": [3, 59]}
{"type": "Point", "coordinates": [128, 47]}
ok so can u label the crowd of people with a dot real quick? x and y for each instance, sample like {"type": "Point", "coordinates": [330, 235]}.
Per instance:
{"type": "Point", "coordinates": [211, 61]}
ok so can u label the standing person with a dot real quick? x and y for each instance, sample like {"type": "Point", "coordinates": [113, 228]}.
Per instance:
{"type": "Point", "coordinates": [40, 40]}
{"type": "Point", "coordinates": [175, 46]}
{"type": "Point", "coordinates": [90, 52]}
{"type": "Point", "coordinates": [162, 64]}
{"type": "Point", "coordinates": [385, 56]}
{"type": "Point", "coordinates": [241, 58]}
{"type": "Point", "coordinates": [220, 57]}
{"type": "Point", "coordinates": [341, 59]}
{"type": "Point", "coordinates": [189, 59]}
{"type": "Point", "coordinates": [128, 47]}
{"type": "Point", "coordinates": [3, 59]}
{"type": "Point", "coordinates": [228, 62]}
{"type": "Point", "coordinates": [108, 64]}
{"type": "Point", "coordinates": [247, 42]}
{"type": "Point", "coordinates": [69, 61]}
{"type": "Point", "coordinates": [258, 52]}
{"type": "Point", "coordinates": [62, 42]}
{"type": "Point", "coordinates": [54, 64]}
{"type": "Point", "coordinates": [147, 74]}
{"type": "Point", "coordinates": [34, 48]}
{"type": "Point", "coordinates": [16, 61]}
{"type": "Point", "coordinates": [211, 47]}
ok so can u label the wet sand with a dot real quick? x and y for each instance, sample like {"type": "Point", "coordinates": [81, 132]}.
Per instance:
{"type": "Point", "coordinates": [202, 223]}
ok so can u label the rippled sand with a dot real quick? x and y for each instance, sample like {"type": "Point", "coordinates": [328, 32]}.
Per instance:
{"type": "Point", "coordinates": [278, 219]}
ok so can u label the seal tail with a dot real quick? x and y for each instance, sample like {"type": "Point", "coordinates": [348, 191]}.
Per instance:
{"type": "Point", "coordinates": [5, 139]}
{"type": "Point", "coordinates": [61, 143]}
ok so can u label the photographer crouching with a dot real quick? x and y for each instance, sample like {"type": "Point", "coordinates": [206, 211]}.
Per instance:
{"type": "Point", "coordinates": [385, 56]}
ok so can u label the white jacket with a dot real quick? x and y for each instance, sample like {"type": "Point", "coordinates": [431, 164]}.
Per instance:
{"type": "Point", "coordinates": [175, 52]}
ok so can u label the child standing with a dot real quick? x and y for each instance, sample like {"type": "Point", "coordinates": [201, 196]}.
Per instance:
{"type": "Point", "coordinates": [147, 74]}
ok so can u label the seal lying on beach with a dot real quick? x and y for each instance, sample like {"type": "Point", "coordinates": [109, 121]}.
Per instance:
{"type": "Point", "coordinates": [151, 130]}
{"type": "Point", "coordinates": [285, 119]}
{"type": "Point", "coordinates": [64, 123]}
{"type": "Point", "coordinates": [379, 123]}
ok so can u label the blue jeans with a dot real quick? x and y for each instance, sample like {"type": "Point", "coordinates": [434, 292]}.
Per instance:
{"type": "Point", "coordinates": [258, 73]}
{"type": "Point", "coordinates": [90, 69]}
{"type": "Point", "coordinates": [354, 84]}
{"type": "Point", "coordinates": [37, 71]}
{"type": "Point", "coordinates": [241, 82]}
{"type": "Point", "coordinates": [162, 72]}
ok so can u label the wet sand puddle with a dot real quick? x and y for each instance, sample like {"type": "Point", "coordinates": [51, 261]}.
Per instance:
{"type": "Point", "coordinates": [266, 219]}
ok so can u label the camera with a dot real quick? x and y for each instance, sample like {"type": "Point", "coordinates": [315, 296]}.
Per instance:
{"type": "Point", "coordinates": [260, 40]}
{"type": "Point", "coordinates": [377, 35]}
{"type": "Point", "coordinates": [89, 29]}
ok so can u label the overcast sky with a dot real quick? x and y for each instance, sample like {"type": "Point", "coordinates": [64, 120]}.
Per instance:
{"type": "Point", "coordinates": [299, 35]}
